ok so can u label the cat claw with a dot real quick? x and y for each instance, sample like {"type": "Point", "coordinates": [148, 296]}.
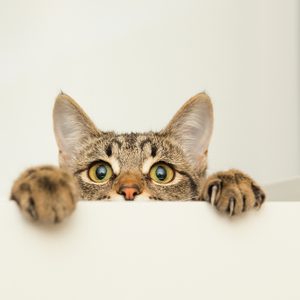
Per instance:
{"type": "Point", "coordinates": [213, 195]}
{"type": "Point", "coordinates": [231, 206]}
{"type": "Point", "coordinates": [213, 198]}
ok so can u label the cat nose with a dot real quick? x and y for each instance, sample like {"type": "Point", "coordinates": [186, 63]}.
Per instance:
{"type": "Point", "coordinates": [129, 191]}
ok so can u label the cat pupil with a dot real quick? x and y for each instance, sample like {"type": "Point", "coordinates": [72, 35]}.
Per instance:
{"type": "Point", "coordinates": [101, 172]}
{"type": "Point", "coordinates": [161, 173]}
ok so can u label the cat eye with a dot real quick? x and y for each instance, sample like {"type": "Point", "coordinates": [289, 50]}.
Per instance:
{"type": "Point", "coordinates": [162, 173]}
{"type": "Point", "coordinates": [100, 172]}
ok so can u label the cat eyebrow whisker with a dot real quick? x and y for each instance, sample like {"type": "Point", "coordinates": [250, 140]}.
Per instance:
{"type": "Point", "coordinates": [151, 146]}
{"type": "Point", "coordinates": [114, 146]}
{"type": "Point", "coordinates": [117, 142]}
{"type": "Point", "coordinates": [114, 164]}
{"type": "Point", "coordinates": [144, 142]}
{"type": "Point", "coordinates": [148, 163]}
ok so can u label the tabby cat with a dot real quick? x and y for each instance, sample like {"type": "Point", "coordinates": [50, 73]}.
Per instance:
{"type": "Point", "coordinates": [166, 165]}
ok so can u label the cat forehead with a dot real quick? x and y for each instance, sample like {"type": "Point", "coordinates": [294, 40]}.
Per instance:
{"type": "Point", "coordinates": [133, 143]}
{"type": "Point", "coordinates": [128, 148]}
{"type": "Point", "coordinates": [142, 142]}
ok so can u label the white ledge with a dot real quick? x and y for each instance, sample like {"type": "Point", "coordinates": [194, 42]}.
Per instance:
{"type": "Point", "coordinates": [154, 250]}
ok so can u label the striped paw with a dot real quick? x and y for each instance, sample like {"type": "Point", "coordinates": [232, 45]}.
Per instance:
{"type": "Point", "coordinates": [46, 194]}
{"type": "Point", "coordinates": [232, 192]}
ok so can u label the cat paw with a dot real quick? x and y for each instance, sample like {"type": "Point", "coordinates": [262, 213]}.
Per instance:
{"type": "Point", "coordinates": [232, 192]}
{"type": "Point", "coordinates": [46, 194]}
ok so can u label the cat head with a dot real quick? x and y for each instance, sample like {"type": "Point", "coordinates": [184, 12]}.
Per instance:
{"type": "Point", "coordinates": [165, 165]}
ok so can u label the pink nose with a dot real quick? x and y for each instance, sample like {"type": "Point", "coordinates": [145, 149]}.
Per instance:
{"type": "Point", "coordinates": [129, 191]}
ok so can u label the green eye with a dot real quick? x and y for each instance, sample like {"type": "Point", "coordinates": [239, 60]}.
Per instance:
{"type": "Point", "coordinates": [162, 173]}
{"type": "Point", "coordinates": [100, 172]}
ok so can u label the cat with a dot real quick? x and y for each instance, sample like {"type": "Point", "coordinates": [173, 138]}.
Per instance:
{"type": "Point", "coordinates": [166, 165]}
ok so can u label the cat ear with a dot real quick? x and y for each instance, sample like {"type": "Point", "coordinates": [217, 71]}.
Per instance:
{"type": "Point", "coordinates": [71, 125]}
{"type": "Point", "coordinates": [192, 127]}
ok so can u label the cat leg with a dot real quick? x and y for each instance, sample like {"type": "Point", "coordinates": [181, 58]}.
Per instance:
{"type": "Point", "coordinates": [232, 192]}
{"type": "Point", "coordinates": [46, 194]}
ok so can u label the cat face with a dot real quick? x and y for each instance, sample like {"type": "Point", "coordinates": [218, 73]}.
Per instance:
{"type": "Point", "coordinates": [165, 165]}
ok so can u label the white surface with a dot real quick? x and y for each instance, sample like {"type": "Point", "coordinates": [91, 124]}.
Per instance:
{"type": "Point", "coordinates": [132, 64]}
{"type": "Point", "coordinates": [152, 251]}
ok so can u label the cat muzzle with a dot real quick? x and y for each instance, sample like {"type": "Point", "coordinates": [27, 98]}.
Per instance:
{"type": "Point", "coordinates": [129, 191]}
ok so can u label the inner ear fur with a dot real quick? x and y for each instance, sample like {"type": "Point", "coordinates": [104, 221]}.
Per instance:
{"type": "Point", "coordinates": [71, 125]}
{"type": "Point", "coordinates": [192, 127]}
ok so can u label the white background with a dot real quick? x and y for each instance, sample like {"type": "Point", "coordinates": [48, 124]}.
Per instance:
{"type": "Point", "coordinates": [132, 64]}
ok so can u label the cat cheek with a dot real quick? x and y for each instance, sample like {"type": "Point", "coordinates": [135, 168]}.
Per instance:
{"type": "Point", "coordinates": [147, 194]}
{"type": "Point", "coordinates": [114, 195]}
